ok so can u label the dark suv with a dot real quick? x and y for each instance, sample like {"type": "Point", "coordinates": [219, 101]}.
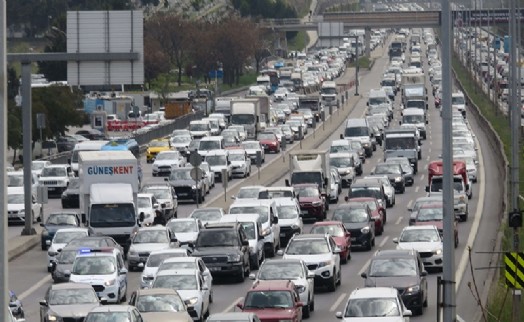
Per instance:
{"type": "Point", "coordinates": [273, 301]}
{"type": "Point", "coordinates": [358, 220]}
{"type": "Point", "coordinates": [224, 248]}
{"type": "Point", "coordinates": [403, 270]}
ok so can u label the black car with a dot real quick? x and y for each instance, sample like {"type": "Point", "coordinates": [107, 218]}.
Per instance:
{"type": "Point", "coordinates": [65, 143]}
{"type": "Point", "coordinates": [224, 248]}
{"type": "Point", "coordinates": [71, 196]}
{"type": "Point", "coordinates": [92, 134]}
{"type": "Point", "coordinates": [359, 222]}
{"type": "Point", "coordinates": [56, 221]}
{"type": "Point", "coordinates": [395, 174]}
{"type": "Point", "coordinates": [185, 186]}
{"type": "Point", "coordinates": [403, 270]}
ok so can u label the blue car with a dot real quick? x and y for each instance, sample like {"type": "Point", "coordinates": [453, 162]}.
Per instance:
{"type": "Point", "coordinates": [16, 306]}
{"type": "Point", "coordinates": [55, 221]}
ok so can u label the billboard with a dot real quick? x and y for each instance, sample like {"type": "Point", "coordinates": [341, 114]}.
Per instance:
{"type": "Point", "coordinates": [105, 32]}
{"type": "Point", "coordinates": [484, 16]}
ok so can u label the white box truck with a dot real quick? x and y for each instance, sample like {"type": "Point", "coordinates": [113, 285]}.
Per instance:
{"type": "Point", "coordinates": [310, 166]}
{"type": "Point", "coordinates": [108, 193]}
{"type": "Point", "coordinates": [252, 113]}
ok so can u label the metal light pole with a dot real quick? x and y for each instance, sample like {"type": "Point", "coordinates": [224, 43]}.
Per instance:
{"type": "Point", "coordinates": [4, 286]}
{"type": "Point", "coordinates": [448, 280]}
{"type": "Point", "coordinates": [514, 110]}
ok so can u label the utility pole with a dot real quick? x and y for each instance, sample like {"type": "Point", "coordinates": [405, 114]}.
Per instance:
{"type": "Point", "coordinates": [4, 286]}
{"type": "Point", "coordinates": [448, 279]}
{"type": "Point", "coordinates": [514, 110]}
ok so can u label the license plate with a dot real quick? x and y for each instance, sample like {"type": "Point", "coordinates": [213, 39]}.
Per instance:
{"type": "Point", "coordinates": [353, 239]}
{"type": "Point", "coordinates": [282, 235]}
{"type": "Point", "coordinates": [214, 269]}
{"type": "Point", "coordinates": [182, 194]}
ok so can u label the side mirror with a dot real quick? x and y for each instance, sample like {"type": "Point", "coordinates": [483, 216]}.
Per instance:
{"type": "Point", "coordinates": [103, 300]}
{"type": "Point", "coordinates": [48, 242]}
{"type": "Point", "coordinates": [407, 313]}
{"type": "Point", "coordinates": [410, 209]}
{"type": "Point", "coordinates": [141, 217]}
{"type": "Point", "coordinates": [140, 265]}
{"type": "Point", "coordinates": [427, 122]}
{"type": "Point", "coordinates": [310, 274]}
{"type": "Point", "coordinates": [395, 240]}
{"type": "Point", "coordinates": [173, 240]}
{"type": "Point", "coordinates": [342, 136]}
{"type": "Point", "coordinates": [337, 250]}
{"type": "Point", "coordinates": [364, 275]}
{"type": "Point", "coordinates": [123, 271]}
{"type": "Point", "coordinates": [240, 305]}
{"type": "Point", "coordinates": [252, 276]}
{"type": "Point", "coordinates": [300, 304]}
{"type": "Point", "coordinates": [275, 220]}
{"type": "Point", "coordinates": [348, 234]}
{"type": "Point", "coordinates": [288, 184]}
{"type": "Point", "coordinates": [427, 188]}
{"type": "Point", "coordinates": [424, 273]}
{"type": "Point", "coordinates": [245, 243]}
{"type": "Point", "coordinates": [339, 315]}
{"type": "Point", "coordinates": [166, 179]}
{"type": "Point", "coordinates": [280, 252]}
{"type": "Point", "coordinates": [42, 224]}
{"type": "Point", "coordinates": [43, 302]}
{"type": "Point", "coordinates": [233, 197]}
{"type": "Point", "coordinates": [260, 237]}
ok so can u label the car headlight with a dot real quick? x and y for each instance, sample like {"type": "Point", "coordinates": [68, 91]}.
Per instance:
{"type": "Point", "coordinates": [52, 253]}
{"type": "Point", "coordinates": [168, 204]}
{"type": "Point", "coordinates": [193, 187]}
{"type": "Point", "coordinates": [365, 144]}
{"type": "Point", "coordinates": [301, 288]}
{"type": "Point", "coordinates": [325, 263]}
{"type": "Point", "coordinates": [110, 282]}
{"type": "Point", "coordinates": [398, 179]}
{"type": "Point", "coordinates": [413, 289]}
{"type": "Point", "coordinates": [52, 317]}
{"type": "Point", "coordinates": [133, 253]}
{"type": "Point", "coordinates": [365, 230]}
{"type": "Point", "coordinates": [437, 252]}
{"type": "Point", "coordinates": [192, 301]}
{"type": "Point", "coordinates": [316, 203]}
{"type": "Point", "coordinates": [295, 227]}
{"type": "Point", "coordinates": [233, 257]}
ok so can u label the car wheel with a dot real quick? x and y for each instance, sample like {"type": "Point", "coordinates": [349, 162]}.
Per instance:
{"type": "Point", "coordinates": [332, 283]}
{"type": "Point", "coordinates": [124, 298]}
{"type": "Point", "coordinates": [210, 297]}
{"type": "Point", "coordinates": [312, 305]}
{"type": "Point", "coordinates": [456, 241]}
{"type": "Point", "coordinates": [380, 231]}
{"type": "Point", "coordinates": [248, 270]}
{"type": "Point", "coordinates": [271, 252]}
{"type": "Point", "coordinates": [306, 310]}
{"type": "Point", "coordinates": [240, 276]}
{"type": "Point", "coordinates": [44, 246]}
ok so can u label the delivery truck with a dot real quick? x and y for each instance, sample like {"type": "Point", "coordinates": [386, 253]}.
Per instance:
{"type": "Point", "coordinates": [310, 166]}
{"type": "Point", "coordinates": [252, 113]}
{"type": "Point", "coordinates": [108, 193]}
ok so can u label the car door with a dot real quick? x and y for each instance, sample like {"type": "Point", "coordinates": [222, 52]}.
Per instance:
{"type": "Point", "coordinates": [310, 281]}
{"type": "Point", "coordinates": [423, 279]}
{"type": "Point", "coordinates": [334, 256]}
{"type": "Point", "coordinates": [275, 227]}
{"type": "Point", "coordinates": [204, 271]}
{"type": "Point", "coordinates": [204, 290]}
{"type": "Point", "coordinates": [245, 249]}
{"type": "Point", "coordinates": [122, 278]}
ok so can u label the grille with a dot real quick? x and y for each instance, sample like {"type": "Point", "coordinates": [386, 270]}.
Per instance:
{"type": "Point", "coordinates": [214, 259]}
{"type": "Point", "coordinates": [99, 288]}
{"type": "Point", "coordinates": [355, 233]}
{"type": "Point", "coordinates": [426, 254]}
{"type": "Point", "coordinates": [145, 254]}
{"type": "Point", "coordinates": [312, 267]}
{"type": "Point", "coordinates": [12, 212]}
{"type": "Point", "coordinates": [285, 229]}
{"type": "Point", "coordinates": [73, 319]}
{"type": "Point", "coordinates": [164, 168]}
{"type": "Point", "coordinates": [50, 182]}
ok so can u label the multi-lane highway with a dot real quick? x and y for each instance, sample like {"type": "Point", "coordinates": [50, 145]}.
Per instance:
{"type": "Point", "coordinates": [29, 277]}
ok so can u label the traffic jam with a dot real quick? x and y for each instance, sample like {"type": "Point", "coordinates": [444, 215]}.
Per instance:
{"type": "Point", "coordinates": [125, 235]}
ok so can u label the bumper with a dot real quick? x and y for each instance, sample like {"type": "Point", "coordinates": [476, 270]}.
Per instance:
{"type": "Point", "coordinates": [315, 212]}
{"type": "Point", "coordinates": [364, 240]}
{"type": "Point", "coordinates": [225, 269]}
{"type": "Point", "coordinates": [55, 190]}
{"type": "Point", "coordinates": [133, 261]}
{"type": "Point", "coordinates": [240, 171]}
{"type": "Point", "coordinates": [186, 194]}
{"type": "Point", "coordinates": [431, 260]}
{"type": "Point", "coordinates": [286, 232]}
{"type": "Point", "coordinates": [161, 172]}
{"type": "Point", "coordinates": [108, 292]}
{"type": "Point", "coordinates": [59, 277]}
{"type": "Point", "coordinates": [378, 224]}
{"type": "Point", "coordinates": [323, 276]}
{"type": "Point", "coordinates": [270, 148]}
{"type": "Point", "coordinates": [146, 283]}
{"type": "Point", "coordinates": [412, 300]}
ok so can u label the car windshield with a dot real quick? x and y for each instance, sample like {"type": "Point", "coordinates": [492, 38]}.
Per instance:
{"type": "Point", "coordinates": [345, 162]}
{"type": "Point", "coordinates": [167, 156]}
{"type": "Point", "coordinates": [158, 144]}
{"type": "Point", "coordinates": [183, 174]}
{"type": "Point", "coordinates": [64, 237]}
{"type": "Point", "coordinates": [333, 230]}
{"type": "Point", "coordinates": [356, 131]}
{"type": "Point", "coordinates": [206, 145]}
{"type": "Point", "coordinates": [150, 236]}
{"type": "Point", "coordinates": [199, 127]}
{"type": "Point", "coordinates": [339, 148]}
{"type": "Point", "coordinates": [357, 192]}
{"type": "Point", "coordinates": [177, 265]}
{"type": "Point", "coordinates": [413, 119]}
{"type": "Point", "coordinates": [144, 202]}
{"type": "Point", "coordinates": [159, 193]}
{"type": "Point", "coordinates": [372, 307]}
{"type": "Point", "coordinates": [385, 267]}
{"type": "Point", "coordinates": [260, 300]}
{"type": "Point", "coordinates": [217, 238]}
{"type": "Point", "coordinates": [251, 146]}
{"type": "Point", "coordinates": [248, 193]}
{"type": "Point", "coordinates": [15, 199]}
{"type": "Point", "coordinates": [66, 257]}
{"type": "Point", "coordinates": [154, 260]}
{"type": "Point", "coordinates": [177, 282]}
{"type": "Point", "coordinates": [182, 226]}
{"type": "Point", "coordinates": [237, 157]}
{"type": "Point", "coordinates": [266, 136]}
{"type": "Point", "coordinates": [351, 215]}
{"type": "Point", "coordinates": [307, 247]}
{"type": "Point", "coordinates": [420, 236]}
{"type": "Point", "coordinates": [287, 212]}
{"type": "Point", "coordinates": [260, 210]}
{"type": "Point", "coordinates": [241, 119]}
{"type": "Point", "coordinates": [390, 168]}
{"type": "Point", "coordinates": [281, 271]}
{"type": "Point", "coordinates": [181, 139]}
{"type": "Point", "coordinates": [207, 215]}
{"type": "Point", "coordinates": [94, 265]}
{"type": "Point", "coordinates": [249, 229]}
{"type": "Point", "coordinates": [307, 191]}
{"type": "Point", "coordinates": [214, 160]}
{"type": "Point", "coordinates": [107, 317]}
{"type": "Point", "coordinates": [54, 172]}
{"type": "Point", "coordinates": [72, 296]}
{"type": "Point", "coordinates": [430, 214]}
{"type": "Point", "coordinates": [159, 303]}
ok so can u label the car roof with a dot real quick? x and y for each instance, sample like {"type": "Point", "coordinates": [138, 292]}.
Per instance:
{"type": "Point", "coordinates": [327, 223]}
{"type": "Point", "coordinates": [432, 205]}
{"type": "Point", "coordinates": [421, 227]}
{"type": "Point", "coordinates": [153, 291]}
{"type": "Point", "coordinates": [169, 272]}
{"type": "Point", "coordinates": [373, 292]}
{"type": "Point", "coordinates": [188, 259]}
{"type": "Point", "coordinates": [153, 228]}
{"type": "Point", "coordinates": [285, 201]}
{"type": "Point", "coordinates": [169, 251]}
{"type": "Point", "coordinates": [272, 285]}
{"type": "Point", "coordinates": [282, 260]}
{"type": "Point", "coordinates": [72, 229]}
{"type": "Point", "coordinates": [395, 253]}
{"type": "Point", "coordinates": [309, 236]}
{"type": "Point", "coordinates": [112, 308]}
{"type": "Point", "coordinates": [231, 316]}
{"type": "Point", "coordinates": [240, 218]}
{"type": "Point", "coordinates": [70, 285]}
{"type": "Point", "coordinates": [145, 195]}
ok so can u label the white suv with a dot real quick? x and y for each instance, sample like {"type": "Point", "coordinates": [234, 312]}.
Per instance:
{"type": "Point", "coordinates": [321, 254]}
{"type": "Point", "coordinates": [56, 178]}
{"type": "Point", "coordinates": [241, 163]}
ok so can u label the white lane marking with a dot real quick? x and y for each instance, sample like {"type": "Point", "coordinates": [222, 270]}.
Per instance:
{"type": "Point", "coordinates": [476, 221]}
{"type": "Point", "coordinates": [429, 150]}
{"type": "Point", "coordinates": [417, 188]}
{"type": "Point", "coordinates": [409, 203]}
{"type": "Point", "coordinates": [232, 305]}
{"type": "Point", "coordinates": [365, 267]}
{"type": "Point", "coordinates": [398, 220]}
{"type": "Point", "coordinates": [430, 142]}
{"type": "Point", "coordinates": [421, 177]}
{"type": "Point", "coordinates": [383, 242]}
{"type": "Point", "coordinates": [337, 302]}
{"type": "Point", "coordinates": [459, 319]}
{"type": "Point", "coordinates": [427, 158]}
{"type": "Point", "coordinates": [33, 288]}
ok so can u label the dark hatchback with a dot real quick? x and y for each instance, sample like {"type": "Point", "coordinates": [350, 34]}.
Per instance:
{"type": "Point", "coordinates": [56, 221]}
{"type": "Point", "coordinates": [403, 270]}
{"type": "Point", "coordinates": [71, 196]}
{"type": "Point", "coordinates": [66, 143]}
{"type": "Point", "coordinates": [92, 134]}
{"type": "Point", "coordinates": [359, 222]}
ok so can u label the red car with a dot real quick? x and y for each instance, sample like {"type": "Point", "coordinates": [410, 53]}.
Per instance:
{"type": "Point", "coordinates": [269, 142]}
{"type": "Point", "coordinates": [378, 213]}
{"type": "Point", "coordinates": [273, 300]}
{"type": "Point", "coordinates": [433, 214]}
{"type": "Point", "coordinates": [311, 201]}
{"type": "Point", "coordinates": [340, 235]}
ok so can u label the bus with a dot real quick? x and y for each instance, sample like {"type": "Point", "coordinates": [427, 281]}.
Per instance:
{"type": "Point", "coordinates": [273, 78]}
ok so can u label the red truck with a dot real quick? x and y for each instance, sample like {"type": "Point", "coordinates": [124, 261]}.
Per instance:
{"type": "Point", "coordinates": [461, 185]}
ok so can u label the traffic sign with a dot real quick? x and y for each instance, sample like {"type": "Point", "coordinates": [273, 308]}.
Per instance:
{"type": "Point", "coordinates": [195, 159]}
{"type": "Point", "coordinates": [514, 269]}
{"type": "Point", "coordinates": [196, 174]}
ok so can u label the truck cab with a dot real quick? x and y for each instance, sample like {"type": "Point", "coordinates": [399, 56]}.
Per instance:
{"type": "Point", "coordinates": [403, 143]}
{"type": "Point", "coordinates": [416, 117]}
{"type": "Point", "coordinates": [328, 94]}
{"type": "Point", "coordinates": [199, 129]}
{"type": "Point", "coordinates": [219, 160]}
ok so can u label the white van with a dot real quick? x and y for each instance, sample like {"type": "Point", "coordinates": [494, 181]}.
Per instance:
{"type": "Point", "coordinates": [359, 129]}
{"type": "Point", "coordinates": [417, 117]}
{"type": "Point", "coordinates": [210, 143]}
{"type": "Point", "coordinates": [458, 102]}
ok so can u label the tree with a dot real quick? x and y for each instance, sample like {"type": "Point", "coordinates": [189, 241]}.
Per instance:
{"type": "Point", "coordinates": [57, 43]}
{"type": "Point", "coordinates": [155, 60]}
{"type": "Point", "coordinates": [14, 129]}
